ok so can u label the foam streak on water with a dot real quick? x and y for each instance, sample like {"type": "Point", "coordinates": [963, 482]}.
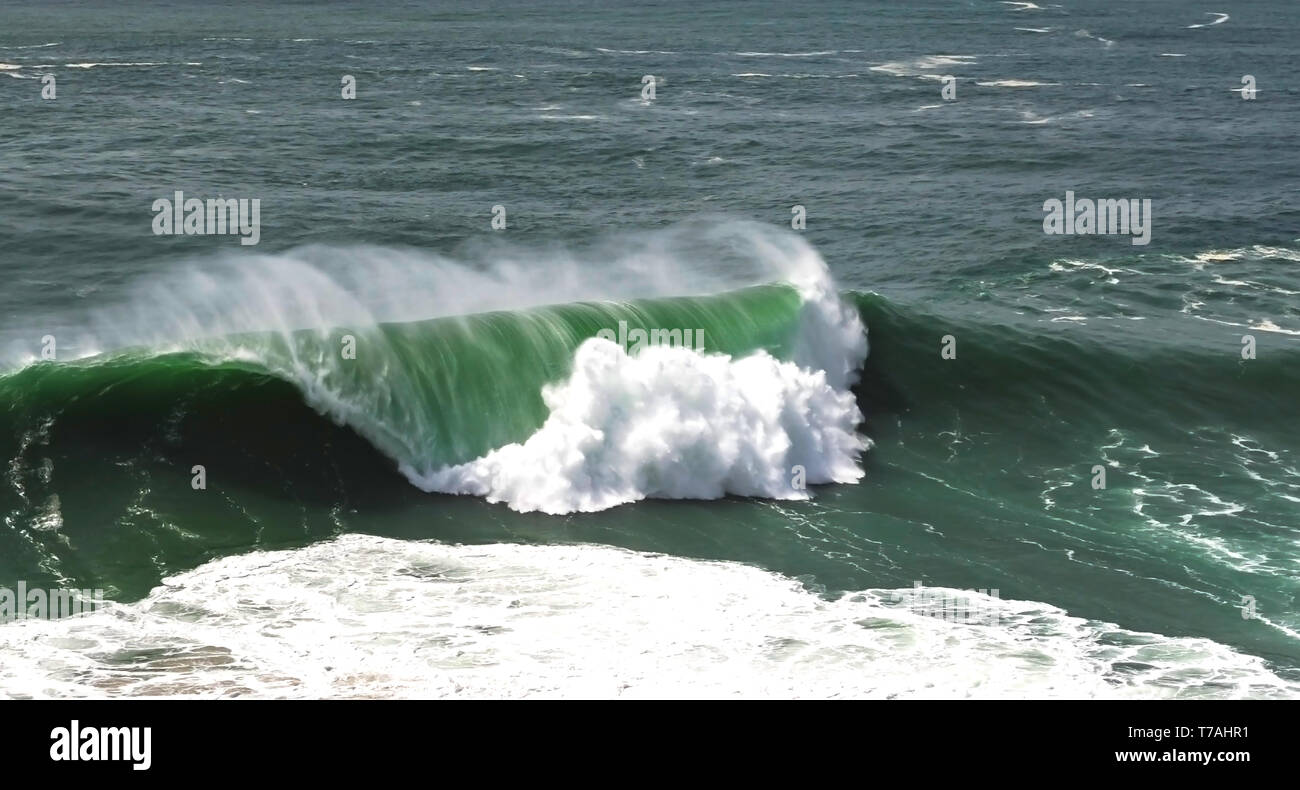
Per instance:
{"type": "Point", "coordinates": [362, 616]}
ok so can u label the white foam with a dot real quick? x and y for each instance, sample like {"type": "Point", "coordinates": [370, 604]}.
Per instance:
{"type": "Point", "coordinates": [669, 423]}
{"type": "Point", "coordinates": [1276, 252]}
{"type": "Point", "coordinates": [921, 66]}
{"type": "Point", "coordinates": [96, 65]}
{"type": "Point", "coordinates": [363, 616]}
{"type": "Point", "coordinates": [1032, 118]}
{"type": "Point", "coordinates": [1222, 17]}
{"type": "Point", "coordinates": [1256, 254]}
{"type": "Point", "coordinates": [635, 51]}
{"type": "Point", "coordinates": [1016, 84]}
{"type": "Point", "coordinates": [818, 53]}
{"type": "Point", "coordinates": [1266, 325]}
{"type": "Point", "coordinates": [1105, 42]}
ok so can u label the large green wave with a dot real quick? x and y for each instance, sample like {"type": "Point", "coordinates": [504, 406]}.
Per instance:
{"type": "Point", "coordinates": [292, 435]}
{"type": "Point", "coordinates": [298, 443]}
{"type": "Point", "coordinates": [427, 393]}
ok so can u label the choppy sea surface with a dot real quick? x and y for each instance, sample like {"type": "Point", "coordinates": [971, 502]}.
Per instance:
{"type": "Point", "coordinates": [487, 497]}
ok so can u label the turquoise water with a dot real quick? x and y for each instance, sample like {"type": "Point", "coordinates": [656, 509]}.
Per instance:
{"type": "Point", "coordinates": [555, 481]}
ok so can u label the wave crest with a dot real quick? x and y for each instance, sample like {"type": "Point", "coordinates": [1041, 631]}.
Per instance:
{"type": "Point", "coordinates": [670, 423]}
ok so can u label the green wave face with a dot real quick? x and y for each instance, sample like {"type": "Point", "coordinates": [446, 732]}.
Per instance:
{"type": "Point", "coordinates": [101, 451]}
{"type": "Point", "coordinates": [449, 390]}
{"type": "Point", "coordinates": [427, 393]}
